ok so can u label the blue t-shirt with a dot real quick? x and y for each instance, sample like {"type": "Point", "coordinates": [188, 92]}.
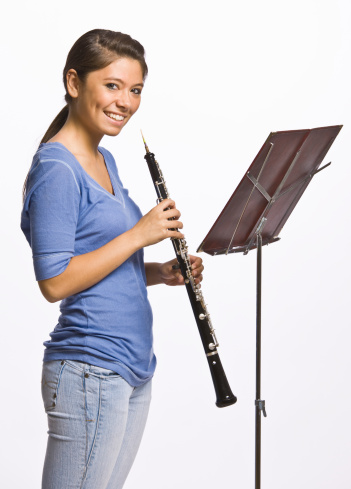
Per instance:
{"type": "Point", "coordinates": [67, 213]}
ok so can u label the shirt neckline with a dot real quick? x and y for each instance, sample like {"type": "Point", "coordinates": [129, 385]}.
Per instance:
{"type": "Point", "coordinates": [114, 195]}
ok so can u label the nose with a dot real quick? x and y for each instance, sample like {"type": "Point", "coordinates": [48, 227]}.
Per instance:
{"type": "Point", "coordinates": [123, 99]}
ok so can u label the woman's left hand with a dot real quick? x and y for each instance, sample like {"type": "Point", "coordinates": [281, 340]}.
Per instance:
{"type": "Point", "coordinates": [172, 276]}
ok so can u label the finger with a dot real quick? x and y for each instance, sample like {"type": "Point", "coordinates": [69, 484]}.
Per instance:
{"type": "Point", "coordinates": [172, 233]}
{"type": "Point", "coordinates": [195, 260]}
{"type": "Point", "coordinates": [197, 271]}
{"type": "Point", "coordinates": [166, 203]}
{"type": "Point", "coordinates": [175, 224]}
{"type": "Point", "coordinates": [180, 278]}
{"type": "Point", "coordinates": [171, 213]}
{"type": "Point", "coordinates": [197, 264]}
{"type": "Point", "coordinates": [198, 279]}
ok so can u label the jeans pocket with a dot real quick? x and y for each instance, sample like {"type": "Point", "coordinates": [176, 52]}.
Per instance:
{"type": "Point", "coordinates": [50, 383]}
{"type": "Point", "coordinates": [102, 372]}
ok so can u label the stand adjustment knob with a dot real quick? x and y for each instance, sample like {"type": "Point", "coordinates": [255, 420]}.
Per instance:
{"type": "Point", "coordinates": [261, 407]}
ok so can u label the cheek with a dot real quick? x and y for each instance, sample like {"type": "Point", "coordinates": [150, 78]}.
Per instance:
{"type": "Point", "coordinates": [103, 101]}
{"type": "Point", "coordinates": [98, 99]}
{"type": "Point", "coordinates": [135, 105]}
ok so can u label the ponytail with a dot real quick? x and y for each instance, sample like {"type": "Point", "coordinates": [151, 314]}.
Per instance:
{"type": "Point", "coordinates": [56, 125]}
{"type": "Point", "coordinates": [53, 129]}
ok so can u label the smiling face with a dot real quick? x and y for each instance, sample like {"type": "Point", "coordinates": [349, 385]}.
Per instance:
{"type": "Point", "coordinates": [107, 99]}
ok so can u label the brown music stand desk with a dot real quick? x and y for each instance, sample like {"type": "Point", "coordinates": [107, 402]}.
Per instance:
{"type": "Point", "coordinates": [257, 211]}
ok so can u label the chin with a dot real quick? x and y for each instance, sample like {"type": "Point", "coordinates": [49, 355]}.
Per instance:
{"type": "Point", "coordinates": [113, 132]}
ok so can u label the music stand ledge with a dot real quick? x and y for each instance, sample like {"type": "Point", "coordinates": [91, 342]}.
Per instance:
{"type": "Point", "coordinates": [257, 211]}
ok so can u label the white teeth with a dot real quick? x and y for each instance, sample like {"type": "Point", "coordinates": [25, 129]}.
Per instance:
{"type": "Point", "coordinates": [115, 116]}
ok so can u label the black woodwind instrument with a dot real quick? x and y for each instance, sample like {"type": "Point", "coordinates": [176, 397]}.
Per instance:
{"type": "Point", "coordinates": [225, 397]}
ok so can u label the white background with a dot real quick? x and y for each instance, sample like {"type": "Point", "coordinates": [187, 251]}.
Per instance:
{"type": "Point", "coordinates": [223, 75]}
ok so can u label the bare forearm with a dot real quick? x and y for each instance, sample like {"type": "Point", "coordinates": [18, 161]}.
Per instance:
{"type": "Point", "coordinates": [153, 275]}
{"type": "Point", "coordinates": [84, 271]}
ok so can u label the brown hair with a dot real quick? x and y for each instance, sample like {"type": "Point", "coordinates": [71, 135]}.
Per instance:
{"type": "Point", "coordinates": [93, 51]}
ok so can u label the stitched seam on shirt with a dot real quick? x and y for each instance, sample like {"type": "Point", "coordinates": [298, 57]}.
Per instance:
{"type": "Point", "coordinates": [45, 175]}
{"type": "Point", "coordinates": [35, 165]}
{"type": "Point", "coordinates": [105, 192]}
{"type": "Point", "coordinates": [117, 187]}
{"type": "Point", "coordinates": [66, 165]}
{"type": "Point", "coordinates": [48, 255]}
{"type": "Point", "coordinates": [107, 155]}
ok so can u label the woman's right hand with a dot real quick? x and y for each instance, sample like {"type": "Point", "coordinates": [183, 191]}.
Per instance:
{"type": "Point", "coordinates": [155, 225]}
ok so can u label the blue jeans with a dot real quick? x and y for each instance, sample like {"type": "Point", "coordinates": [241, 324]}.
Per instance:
{"type": "Point", "coordinates": [96, 421]}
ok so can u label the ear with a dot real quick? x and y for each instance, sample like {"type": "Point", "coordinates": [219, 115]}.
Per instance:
{"type": "Point", "coordinates": [73, 83]}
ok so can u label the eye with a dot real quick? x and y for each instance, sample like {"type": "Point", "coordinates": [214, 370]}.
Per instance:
{"type": "Point", "coordinates": [112, 86]}
{"type": "Point", "coordinates": [137, 91]}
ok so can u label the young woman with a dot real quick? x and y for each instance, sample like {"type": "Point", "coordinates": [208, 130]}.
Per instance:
{"type": "Point", "coordinates": [87, 238]}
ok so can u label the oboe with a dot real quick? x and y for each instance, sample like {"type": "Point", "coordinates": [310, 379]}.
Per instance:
{"type": "Point", "coordinates": [225, 397]}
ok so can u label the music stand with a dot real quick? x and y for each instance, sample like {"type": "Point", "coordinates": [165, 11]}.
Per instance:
{"type": "Point", "coordinates": [257, 211]}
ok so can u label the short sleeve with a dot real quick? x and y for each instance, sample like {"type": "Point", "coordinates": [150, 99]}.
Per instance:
{"type": "Point", "coordinates": [50, 217]}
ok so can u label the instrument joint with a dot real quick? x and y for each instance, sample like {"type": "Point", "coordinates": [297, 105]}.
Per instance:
{"type": "Point", "coordinates": [212, 353]}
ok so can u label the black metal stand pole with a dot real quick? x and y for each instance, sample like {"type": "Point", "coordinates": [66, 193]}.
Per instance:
{"type": "Point", "coordinates": [259, 404]}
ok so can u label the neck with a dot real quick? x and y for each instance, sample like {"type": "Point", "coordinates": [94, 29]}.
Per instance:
{"type": "Point", "coordinates": [77, 138]}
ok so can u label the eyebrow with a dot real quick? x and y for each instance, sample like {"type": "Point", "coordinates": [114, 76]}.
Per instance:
{"type": "Point", "coordinates": [122, 81]}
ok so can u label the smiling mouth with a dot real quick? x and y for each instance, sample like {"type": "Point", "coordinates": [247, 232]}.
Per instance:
{"type": "Point", "coordinates": [115, 117]}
